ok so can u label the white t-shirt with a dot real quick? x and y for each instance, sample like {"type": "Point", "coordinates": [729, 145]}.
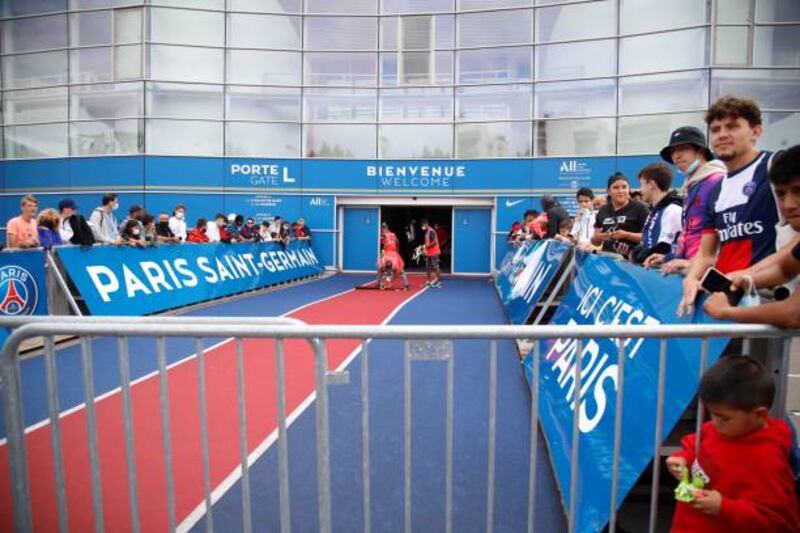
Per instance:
{"type": "Point", "coordinates": [178, 228]}
{"type": "Point", "coordinates": [212, 231]}
{"type": "Point", "coordinates": [66, 231]}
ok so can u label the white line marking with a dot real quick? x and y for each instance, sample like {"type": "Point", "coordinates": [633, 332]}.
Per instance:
{"type": "Point", "coordinates": [200, 510]}
{"type": "Point", "coordinates": [46, 422]}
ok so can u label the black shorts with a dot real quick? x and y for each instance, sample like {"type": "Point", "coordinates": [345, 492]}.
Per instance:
{"type": "Point", "coordinates": [431, 262]}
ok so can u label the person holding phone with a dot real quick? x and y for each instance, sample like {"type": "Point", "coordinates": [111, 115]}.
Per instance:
{"type": "Point", "coordinates": [618, 225]}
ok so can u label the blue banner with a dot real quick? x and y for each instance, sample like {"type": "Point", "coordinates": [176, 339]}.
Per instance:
{"type": "Point", "coordinates": [525, 273]}
{"type": "Point", "coordinates": [607, 291]}
{"type": "Point", "coordinates": [138, 281]}
{"type": "Point", "coordinates": [23, 286]}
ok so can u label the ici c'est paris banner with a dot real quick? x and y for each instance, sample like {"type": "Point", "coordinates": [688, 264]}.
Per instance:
{"type": "Point", "coordinates": [138, 281]}
{"type": "Point", "coordinates": [608, 291]}
{"type": "Point", "coordinates": [525, 273]}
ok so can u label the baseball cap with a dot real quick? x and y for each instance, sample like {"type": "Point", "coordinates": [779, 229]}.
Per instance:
{"type": "Point", "coordinates": [67, 203]}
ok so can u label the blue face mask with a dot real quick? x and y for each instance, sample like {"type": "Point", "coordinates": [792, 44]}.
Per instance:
{"type": "Point", "coordinates": [690, 170]}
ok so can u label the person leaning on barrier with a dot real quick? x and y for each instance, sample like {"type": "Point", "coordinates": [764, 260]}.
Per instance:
{"type": "Point", "coordinates": [177, 222]}
{"type": "Point", "coordinates": [741, 215]}
{"type": "Point", "coordinates": [74, 229]}
{"type": "Point", "coordinates": [104, 223]}
{"type": "Point", "coordinates": [149, 230]}
{"type": "Point", "coordinates": [688, 152]}
{"type": "Point", "coordinates": [302, 232]}
{"type": "Point", "coordinates": [137, 213]}
{"type": "Point", "coordinates": [164, 232]}
{"type": "Point", "coordinates": [618, 225]}
{"type": "Point", "coordinates": [555, 215]}
{"type": "Point", "coordinates": [22, 231]}
{"type": "Point", "coordinates": [744, 456]}
{"type": "Point", "coordinates": [583, 226]}
{"type": "Point", "coordinates": [249, 231]}
{"type": "Point", "coordinates": [777, 269]}
{"type": "Point", "coordinates": [132, 234]}
{"type": "Point", "coordinates": [48, 225]}
{"type": "Point", "coordinates": [198, 232]}
{"type": "Point", "coordinates": [663, 223]}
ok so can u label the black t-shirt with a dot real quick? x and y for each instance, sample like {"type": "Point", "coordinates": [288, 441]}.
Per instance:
{"type": "Point", "coordinates": [629, 218]}
{"type": "Point", "coordinates": [555, 216]}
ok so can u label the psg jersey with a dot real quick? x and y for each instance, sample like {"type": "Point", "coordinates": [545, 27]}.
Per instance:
{"type": "Point", "coordinates": [743, 213]}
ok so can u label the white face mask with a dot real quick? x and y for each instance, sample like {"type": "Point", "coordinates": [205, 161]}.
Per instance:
{"type": "Point", "coordinates": [135, 232]}
{"type": "Point", "coordinates": [179, 215]}
{"type": "Point", "coordinates": [115, 206]}
{"type": "Point", "coordinates": [691, 168]}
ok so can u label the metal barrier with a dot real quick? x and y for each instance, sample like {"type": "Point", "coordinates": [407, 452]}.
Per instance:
{"type": "Point", "coordinates": [422, 343]}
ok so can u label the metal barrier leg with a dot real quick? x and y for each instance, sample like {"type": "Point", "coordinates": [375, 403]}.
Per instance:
{"type": "Point", "coordinates": [662, 379]}
{"type": "Point", "coordinates": [700, 407]}
{"type": "Point", "coordinates": [574, 467]}
{"type": "Point", "coordinates": [55, 431]}
{"type": "Point", "coordinates": [534, 438]}
{"type": "Point", "coordinates": [166, 434]}
{"type": "Point", "coordinates": [492, 433]}
{"type": "Point", "coordinates": [365, 469]}
{"type": "Point", "coordinates": [127, 413]}
{"type": "Point", "coordinates": [247, 521]}
{"type": "Point", "coordinates": [407, 438]}
{"type": "Point", "coordinates": [612, 522]}
{"type": "Point", "coordinates": [448, 527]}
{"type": "Point", "coordinates": [323, 443]}
{"type": "Point", "coordinates": [91, 419]}
{"type": "Point", "coordinates": [283, 447]}
{"type": "Point", "coordinates": [201, 402]}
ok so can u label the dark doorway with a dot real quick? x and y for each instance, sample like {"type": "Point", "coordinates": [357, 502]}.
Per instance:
{"type": "Point", "coordinates": [400, 217]}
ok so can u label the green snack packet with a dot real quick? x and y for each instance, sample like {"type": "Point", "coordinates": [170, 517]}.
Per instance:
{"type": "Point", "coordinates": [686, 489]}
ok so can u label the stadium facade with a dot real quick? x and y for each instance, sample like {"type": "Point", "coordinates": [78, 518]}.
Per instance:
{"type": "Point", "coordinates": [340, 110]}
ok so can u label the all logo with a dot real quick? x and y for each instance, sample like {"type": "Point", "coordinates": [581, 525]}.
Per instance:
{"type": "Point", "coordinates": [19, 292]}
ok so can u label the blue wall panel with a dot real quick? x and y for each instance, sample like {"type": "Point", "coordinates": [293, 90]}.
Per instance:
{"type": "Point", "coordinates": [360, 244]}
{"type": "Point", "coordinates": [23, 176]}
{"type": "Point", "coordinates": [107, 173]}
{"type": "Point", "coordinates": [472, 240]}
{"type": "Point", "coordinates": [183, 172]}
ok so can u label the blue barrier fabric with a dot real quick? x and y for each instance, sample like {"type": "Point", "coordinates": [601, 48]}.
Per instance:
{"type": "Point", "coordinates": [525, 273]}
{"type": "Point", "coordinates": [135, 281]}
{"type": "Point", "coordinates": [608, 291]}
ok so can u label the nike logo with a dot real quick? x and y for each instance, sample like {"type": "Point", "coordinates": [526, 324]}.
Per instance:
{"type": "Point", "coordinates": [509, 203]}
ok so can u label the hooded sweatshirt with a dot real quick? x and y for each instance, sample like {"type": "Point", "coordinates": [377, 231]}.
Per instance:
{"type": "Point", "coordinates": [661, 228]}
{"type": "Point", "coordinates": [104, 226]}
{"type": "Point", "coordinates": [696, 191]}
{"type": "Point", "coordinates": [752, 474]}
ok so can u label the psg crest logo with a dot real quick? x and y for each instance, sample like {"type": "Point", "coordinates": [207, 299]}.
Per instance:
{"type": "Point", "coordinates": [19, 293]}
{"type": "Point", "coordinates": [749, 188]}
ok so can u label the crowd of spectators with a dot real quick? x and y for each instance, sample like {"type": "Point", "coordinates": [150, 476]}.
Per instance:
{"type": "Point", "coordinates": [139, 228]}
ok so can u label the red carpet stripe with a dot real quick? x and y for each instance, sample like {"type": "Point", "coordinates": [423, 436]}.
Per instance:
{"type": "Point", "coordinates": [354, 307]}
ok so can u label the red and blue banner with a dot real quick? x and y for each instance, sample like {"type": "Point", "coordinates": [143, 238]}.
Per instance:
{"type": "Point", "coordinates": [23, 286]}
{"type": "Point", "coordinates": [137, 281]}
{"type": "Point", "coordinates": [612, 292]}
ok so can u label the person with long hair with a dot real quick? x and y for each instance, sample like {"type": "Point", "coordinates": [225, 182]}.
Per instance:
{"type": "Point", "coordinates": [619, 223]}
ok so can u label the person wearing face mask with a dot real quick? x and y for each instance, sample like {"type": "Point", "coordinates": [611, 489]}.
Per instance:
{"type": "Point", "coordinates": [198, 233]}
{"type": "Point", "coordinates": [688, 152]}
{"type": "Point", "coordinates": [583, 227]}
{"type": "Point", "coordinates": [177, 222]}
{"type": "Point", "coordinates": [104, 223]}
{"type": "Point", "coordinates": [619, 223]}
{"type": "Point", "coordinates": [164, 232]}
{"type": "Point", "coordinates": [132, 234]}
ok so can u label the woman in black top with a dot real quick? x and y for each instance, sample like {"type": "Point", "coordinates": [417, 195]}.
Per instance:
{"type": "Point", "coordinates": [619, 223]}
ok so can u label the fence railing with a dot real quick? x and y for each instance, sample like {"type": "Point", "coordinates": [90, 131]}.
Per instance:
{"type": "Point", "coordinates": [421, 343]}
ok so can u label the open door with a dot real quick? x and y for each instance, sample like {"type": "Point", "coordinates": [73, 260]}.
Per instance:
{"type": "Point", "coordinates": [359, 238]}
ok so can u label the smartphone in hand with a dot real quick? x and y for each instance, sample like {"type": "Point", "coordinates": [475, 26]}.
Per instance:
{"type": "Point", "coordinates": [715, 281]}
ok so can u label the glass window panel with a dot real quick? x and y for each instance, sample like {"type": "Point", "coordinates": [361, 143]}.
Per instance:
{"type": "Point", "coordinates": [127, 62]}
{"type": "Point", "coordinates": [90, 65]}
{"type": "Point", "coordinates": [90, 29]}
{"type": "Point", "coordinates": [180, 63]}
{"type": "Point", "coordinates": [587, 136]}
{"type": "Point", "coordinates": [265, 6]}
{"type": "Point", "coordinates": [264, 31]}
{"type": "Point", "coordinates": [734, 12]}
{"type": "Point", "coordinates": [112, 100]}
{"type": "Point", "coordinates": [464, 5]}
{"type": "Point", "coordinates": [36, 33]}
{"type": "Point", "coordinates": [777, 46]}
{"type": "Point", "coordinates": [681, 91]}
{"type": "Point", "coordinates": [97, 4]}
{"type": "Point", "coordinates": [665, 51]}
{"type": "Point", "coordinates": [777, 11]}
{"type": "Point", "coordinates": [36, 105]}
{"type": "Point", "coordinates": [637, 16]}
{"type": "Point", "coordinates": [341, 33]}
{"type": "Point", "coordinates": [261, 68]}
{"type": "Point", "coordinates": [416, 68]}
{"type": "Point", "coordinates": [339, 105]}
{"type": "Point", "coordinates": [732, 45]}
{"type": "Point", "coordinates": [183, 137]}
{"type": "Point", "coordinates": [418, 32]}
{"type": "Point", "coordinates": [392, 7]}
{"type": "Point", "coordinates": [340, 69]}
{"type": "Point", "coordinates": [127, 26]}
{"type": "Point", "coordinates": [415, 140]}
{"type": "Point", "coordinates": [263, 103]}
{"type": "Point", "coordinates": [44, 140]}
{"type": "Point", "coordinates": [35, 70]}
{"type": "Point", "coordinates": [780, 130]}
{"type": "Point", "coordinates": [178, 100]}
{"type": "Point", "coordinates": [646, 135]}
{"type": "Point", "coordinates": [577, 21]}
{"type": "Point", "coordinates": [13, 8]}
{"type": "Point", "coordinates": [178, 26]}
{"type": "Point", "coordinates": [496, 102]}
{"type": "Point", "coordinates": [342, 6]}
{"type": "Point", "coordinates": [493, 139]}
{"type": "Point", "coordinates": [576, 99]}
{"type": "Point", "coordinates": [416, 105]}
{"type": "Point", "coordinates": [497, 65]}
{"type": "Point", "coordinates": [576, 60]}
{"type": "Point", "coordinates": [106, 137]}
{"type": "Point", "coordinates": [772, 89]}
{"type": "Point", "coordinates": [251, 139]}
{"type": "Point", "coordinates": [198, 4]}
{"type": "Point", "coordinates": [498, 28]}
{"type": "Point", "coordinates": [339, 140]}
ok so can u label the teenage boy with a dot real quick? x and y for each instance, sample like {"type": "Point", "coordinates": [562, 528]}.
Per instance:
{"type": "Point", "coordinates": [741, 216]}
{"type": "Point", "coordinates": [663, 223]}
{"type": "Point", "coordinates": [743, 458]}
{"type": "Point", "coordinates": [432, 254]}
